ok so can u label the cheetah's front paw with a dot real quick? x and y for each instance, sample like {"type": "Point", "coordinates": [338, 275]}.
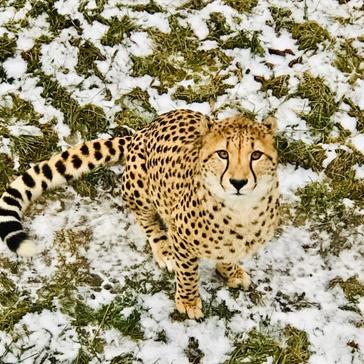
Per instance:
{"type": "Point", "coordinates": [192, 309]}
{"type": "Point", "coordinates": [164, 259]}
{"type": "Point", "coordinates": [239, 278]}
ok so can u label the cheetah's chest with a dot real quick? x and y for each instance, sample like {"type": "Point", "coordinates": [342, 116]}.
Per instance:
{"type": "Point", "coordinates": [221, 234]}
{"type": "Point", "coordinates": [235, 237]}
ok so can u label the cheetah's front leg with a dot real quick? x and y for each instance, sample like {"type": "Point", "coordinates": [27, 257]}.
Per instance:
{"type": "Point", "coordinates": [234, 274]}
{"type": "Point", "coordinates": [157, 238]}
{"type": "Point", "coordinates": [188, 299]}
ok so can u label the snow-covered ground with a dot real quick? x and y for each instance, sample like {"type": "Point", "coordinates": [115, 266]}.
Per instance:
{"type": "Point", "coordinates": [94, 294]}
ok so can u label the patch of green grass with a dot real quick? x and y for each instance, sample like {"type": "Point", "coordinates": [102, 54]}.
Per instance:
{"type": "Point", "coordinates": [7, 47]}
{"type": "Point", "coordinates": [309, 35]}
{"type": "Point", "coordinates": [246, 40]}
{"type": "Point", "coordinates": [117, 30]}
{"type": "Point", "coordinates": [112, 316]}
{"type": "Point", "coordinates": [88, 120]}
{"type": "Point", "coordinates": [322, 103]}
{"type": "Point", "coordinates": [33, 149]}
{"type": "Point", "coordinates": [202, 93]}
{"type": "Point", "coordinates": [193, 351]}
{"type": "Point", "coordinates": [357, 113]}
{"type": "Point", "coordinates": [176, 57]}
{"type": "Point", "coordinates": [353, 289]}
{"type": "Point", "coordinates": [218, 26]}
{"type": "Point", "coordinates": [151, 7]}
{"type": "Point", "coordinates": [298, 153]}
{"type": "Point", "coordinates": [194, 4]}
{"type": "Point", "coordinates": [341, 172]}
{"type": "Point", "coordinates": [236, 106]}
{"type": "Point", "coordinates": [138, 99]}
{"type": "Point", "coordinates": [9, 294]}
{"type": "Point", "coordinates": [92, 15]}
{"type": "Point", "coordinates": [6, 171]}
{"type": "Point", "coordinates": [16, 109]}
{"type": "Point", "coordinates": [278, 85]}
{"type": "Point", "coordinates": [131, 118]}
{"type": "Point", "coordinates": [125, 359]}
{"type": "Point", "coordinates": [18, 4]}
{"type": "Point", "coordinates": [257, 347]}
{"type": "Point", "coordinates": [145, 282]}
{"type": "Point", "coordinates": [295, 302]}
{"type": "Point", "coordinates": [281, 18]}
{"type": "Point", "coordinates": [11, 315]}
{"type": "Point", "coordinates": [87, 56]}
{"type": "Point", "coordinates": [90, 184]}
{"type": "Point", "coordinates": [136, 109]}
{"type": "Point", "coordinates": [32, 56]}
{"type": "Point", "coordinates": [57, 22]}
{"type": "Point", "coordinates": [349, 61]}
{"type": "Point", "coordinates": [245, 6]}
{"type": "Point", "coordinates": [322, 205]}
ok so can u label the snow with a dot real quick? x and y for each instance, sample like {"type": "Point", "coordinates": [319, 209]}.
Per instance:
{"type": "Point", "coordinates": [358, 142]}
{"type": "Point", "coordinates": [292, 178]}
{"type": "Point", "coordinates": [15, 67]}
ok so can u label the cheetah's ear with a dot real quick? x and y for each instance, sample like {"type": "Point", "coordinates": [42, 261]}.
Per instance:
{"type": "Point", "coordinates": [271, 123]}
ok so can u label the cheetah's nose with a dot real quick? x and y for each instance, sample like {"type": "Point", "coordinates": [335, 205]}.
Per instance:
{"type": "Point", "coordinates": [238, 183]}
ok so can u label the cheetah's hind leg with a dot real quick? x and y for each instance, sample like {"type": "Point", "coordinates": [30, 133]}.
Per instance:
{"type": "Point", "coordinates": [157, 237]}
{"type": "Point", "coordinates": [234, 275]}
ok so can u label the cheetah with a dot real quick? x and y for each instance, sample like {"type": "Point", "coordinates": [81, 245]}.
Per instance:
{"type": "Point", "coordinates": [198, 188]}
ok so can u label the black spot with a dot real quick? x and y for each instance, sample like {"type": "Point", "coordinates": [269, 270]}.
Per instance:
{"type": "Point", "coordinates": [15, 193]}
{"type": "Point", "coordinates": [65, 155]}
{"type": "Point", "coordinates": [97, 145]}
{"type": "Point", "coordinates": [76, 161]}
{"type": "Point", "coordinates": [91, 166]}
{"type": "Point", "coordinates": [107, 159]}
{"type": "Point", "coordinates": [140, 183]}
{"type": "Point", "coordinates": [15, 240]}
{"type": "Point", "coordinates": [112, 151]}
{"type": "Point", "coordinates": [47, 172]}
{"type": "Point", "coordinates": [68, 177]}
{"type": "Point", "coordinates": [98, 155]}
{"type": "Point", "coordinates": [28, 180]}
{"type": "Point", "coordinates": [61, 168]}
{"type": "Point", "coordinates": [84, 150]}
{"type": "Point", "coordinates": [5, 212]}
{"type": "Point", "coordinates": [8, 227]}
{"type": "Point", "coordinates": [12, 202]}
{"type": "Point", "coordinates": [37, 169]}
{"type": "Point", "coordinates": [44, 185]}
{"type": "Point", "coordinates": [29, 195]}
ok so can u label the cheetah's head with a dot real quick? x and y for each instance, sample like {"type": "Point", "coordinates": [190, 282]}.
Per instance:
{"type": "Point", "coordinates": [238, 158]}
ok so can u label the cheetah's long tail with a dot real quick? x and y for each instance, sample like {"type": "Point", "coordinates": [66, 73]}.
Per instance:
{"type": "Point", "coordinates": [58, 170]}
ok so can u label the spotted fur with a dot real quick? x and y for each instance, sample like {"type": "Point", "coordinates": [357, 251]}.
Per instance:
{"type": "Point", "coordinates": [199, 189]}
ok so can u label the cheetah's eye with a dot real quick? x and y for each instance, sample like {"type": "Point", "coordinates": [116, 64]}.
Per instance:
{"type": "Point", "coordinates": [256, 155]}
{"type": "Point", "coordinates": [223, 154]}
